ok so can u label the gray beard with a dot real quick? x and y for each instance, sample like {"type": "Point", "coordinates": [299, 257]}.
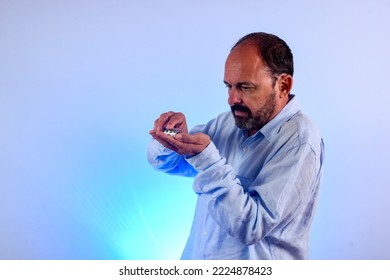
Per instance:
{"type": "Point", "coordinates": [260, 118]}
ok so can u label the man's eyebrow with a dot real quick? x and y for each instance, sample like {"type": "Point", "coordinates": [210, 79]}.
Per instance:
{"type": "Point", "coordinates": [240, 84]}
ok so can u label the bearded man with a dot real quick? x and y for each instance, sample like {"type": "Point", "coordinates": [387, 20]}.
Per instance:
{"type": "Point", "coordinates": [257, 168]}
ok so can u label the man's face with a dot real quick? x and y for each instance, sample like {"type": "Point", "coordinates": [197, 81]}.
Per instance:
{"type": "Point", "coordinates": [253, 95]}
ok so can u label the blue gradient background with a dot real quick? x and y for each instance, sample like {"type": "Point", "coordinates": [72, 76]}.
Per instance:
{"type": "Point", "coordinates": [81, 83]}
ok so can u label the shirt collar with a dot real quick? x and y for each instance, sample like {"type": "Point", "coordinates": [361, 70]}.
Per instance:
{"type": "Point", "coordinates": [273, 126]}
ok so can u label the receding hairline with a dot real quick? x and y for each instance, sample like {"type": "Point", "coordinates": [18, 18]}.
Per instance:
{"type": "Point", "coordinates": [271, 49]}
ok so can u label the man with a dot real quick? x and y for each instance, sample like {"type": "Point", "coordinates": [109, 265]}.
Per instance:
{"type": "Point", "coordinates": [257, 168]}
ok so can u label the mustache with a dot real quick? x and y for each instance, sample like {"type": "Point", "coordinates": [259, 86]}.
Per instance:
{"type": "Point", "coordinates": [241, 108]}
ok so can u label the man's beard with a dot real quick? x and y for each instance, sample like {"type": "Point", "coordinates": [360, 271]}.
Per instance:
{"type": "Point", "coordinates": [257, 120]}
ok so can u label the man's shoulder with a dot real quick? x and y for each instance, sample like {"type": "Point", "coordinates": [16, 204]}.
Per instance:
{"type": "Point", "coordinates": [303, 128]}
{"type": "Point", "coordinates": [305, 125]}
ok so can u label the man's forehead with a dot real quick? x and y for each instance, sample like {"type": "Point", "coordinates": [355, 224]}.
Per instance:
{"type": "Point", "coordinates": [244, 62]}
{"type": "Point", "coordinates": [245, 55]}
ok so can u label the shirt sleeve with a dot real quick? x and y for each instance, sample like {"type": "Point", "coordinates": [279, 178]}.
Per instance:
{"type": "Point", "coordinates": [168, 161]}
{"type": "Point", "coordinates": [271, 202]}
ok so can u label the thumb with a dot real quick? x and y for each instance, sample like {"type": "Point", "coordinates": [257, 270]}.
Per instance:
{"type": "Point", "coordinates": [197, 138]}
{"type": "Point", "coordinates": [186, 138]}
{"type": "Point", "coordinates": [180, 137]}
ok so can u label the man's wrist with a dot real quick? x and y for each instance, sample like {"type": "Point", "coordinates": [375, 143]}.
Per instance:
{"type": "Point", "coordinates": [204, 159]}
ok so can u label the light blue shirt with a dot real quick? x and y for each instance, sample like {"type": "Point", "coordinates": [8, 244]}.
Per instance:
{"type": "Point", "coordinates": [256, 195]}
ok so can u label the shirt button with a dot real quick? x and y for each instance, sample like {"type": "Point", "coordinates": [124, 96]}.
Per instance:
{"type": "Point", "coordinates": [204, 233]}
{"type": "Point", "coordinates": [245, 149]}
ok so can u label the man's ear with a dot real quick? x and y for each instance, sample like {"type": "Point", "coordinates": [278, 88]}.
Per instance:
{"type": "Point", "coordinates": [284, 84]}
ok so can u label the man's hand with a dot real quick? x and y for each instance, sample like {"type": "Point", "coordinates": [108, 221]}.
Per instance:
{"type": "Point", "coordinates": [183, 143]}
{"type": "Point", "coordinates": [190, 145]}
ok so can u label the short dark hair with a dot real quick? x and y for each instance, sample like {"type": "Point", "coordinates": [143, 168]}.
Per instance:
{"type": "Point", "coordinates": [275, 53]}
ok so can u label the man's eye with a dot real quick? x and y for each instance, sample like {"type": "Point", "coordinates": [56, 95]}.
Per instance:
{"type": "Point", "coordinates": [246, 88]}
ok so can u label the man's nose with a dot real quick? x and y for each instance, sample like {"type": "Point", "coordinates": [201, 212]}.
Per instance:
{"type": "Point", "coordinates": [234, 96]}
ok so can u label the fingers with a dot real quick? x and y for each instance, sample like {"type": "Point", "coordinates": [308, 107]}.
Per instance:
{"type": "Point", "coordinates": [183, 143]}
{"type": "Point", "coordinates": [166, 141]}
{"type": "Point", "coordinates": [169, 120]}
{"type": "Point", "coordinates": [160, 123]}
{"type": "Point", "coordinates": [175, 120]}
{"type": "Point", "coordinates": [200, 140]}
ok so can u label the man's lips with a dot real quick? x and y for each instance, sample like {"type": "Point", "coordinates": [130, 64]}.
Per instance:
{"type": "Point", "coordinates": [240, 114]}
{"type": "Point", "coordinates": [240, 111]}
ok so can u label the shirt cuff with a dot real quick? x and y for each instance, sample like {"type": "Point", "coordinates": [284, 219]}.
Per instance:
{"type": "Point", "coordinates": [205, 159]}
{"type": "Point", "coordinates": [157, 149]}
